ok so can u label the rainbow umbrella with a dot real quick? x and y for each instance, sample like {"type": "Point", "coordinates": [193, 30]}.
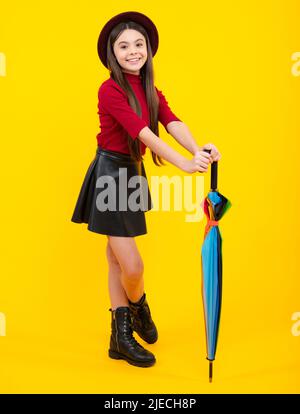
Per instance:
{"type": "Point", "coordinates": [214, 205]}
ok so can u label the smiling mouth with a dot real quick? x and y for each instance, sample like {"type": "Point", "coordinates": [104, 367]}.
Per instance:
{"type": "Point", "coordinates": [133, 60]}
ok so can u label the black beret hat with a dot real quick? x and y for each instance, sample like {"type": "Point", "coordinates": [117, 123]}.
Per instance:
{"type": "Point", "coordinates": [137, 17]}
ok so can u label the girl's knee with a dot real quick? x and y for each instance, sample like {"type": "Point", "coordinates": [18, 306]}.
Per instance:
{"type": "Point", "coordinates": [125, 254]}
{"type": "Point", "coordinates": [134, 270]}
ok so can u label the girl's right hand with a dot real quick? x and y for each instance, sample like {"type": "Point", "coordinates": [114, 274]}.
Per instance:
{"type": "Point", "coordinates": [199, 163]}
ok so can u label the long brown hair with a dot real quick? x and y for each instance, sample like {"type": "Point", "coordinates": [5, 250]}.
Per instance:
{"type": "Point", "coordinates": [147, 83]}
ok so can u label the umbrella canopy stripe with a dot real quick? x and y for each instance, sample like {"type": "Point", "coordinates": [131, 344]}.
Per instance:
{"type": "Point", "coordinates": [212, 289]}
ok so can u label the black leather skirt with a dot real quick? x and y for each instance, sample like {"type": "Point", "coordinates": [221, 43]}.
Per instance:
{"type": "Point", "coordinates": [114, 195]}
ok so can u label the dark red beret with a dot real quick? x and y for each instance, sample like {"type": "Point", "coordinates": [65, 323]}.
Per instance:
{"type": "Point", "coordinates": [137, 17]}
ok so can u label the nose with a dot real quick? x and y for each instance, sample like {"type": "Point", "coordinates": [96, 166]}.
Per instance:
{"type": "Point", "coordinates": [132, 51]}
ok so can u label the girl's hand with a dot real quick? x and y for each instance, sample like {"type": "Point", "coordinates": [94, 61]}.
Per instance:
{"type": "Point", "coordinates": [199, 163]}
{"type": "Point", "coordinates": [214, 153]}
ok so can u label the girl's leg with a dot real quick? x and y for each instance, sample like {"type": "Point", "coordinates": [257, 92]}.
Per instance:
{"type": "Point", "coordinates": [126, 282]}
{"type": "Point", "coordinates": [122, 343]}
{"type": "Point", "coordinates": [130, 270]}
{"type": "Point", "coordinates": [117, 293]}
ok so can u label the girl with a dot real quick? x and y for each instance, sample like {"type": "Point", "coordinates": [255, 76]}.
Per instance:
{"type": "Point", "coordinates": [130, 107]}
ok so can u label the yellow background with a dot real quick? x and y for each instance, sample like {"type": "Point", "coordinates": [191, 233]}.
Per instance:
{"type": "Point", "coordinates": [226, 70]}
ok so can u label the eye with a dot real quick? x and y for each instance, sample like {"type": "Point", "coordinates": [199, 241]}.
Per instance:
{"type": "Point", "coordinates": [138, 44]}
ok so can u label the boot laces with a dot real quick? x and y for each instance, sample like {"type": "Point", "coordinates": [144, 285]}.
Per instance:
{"type": "Point", "coordinates": [128, 334]}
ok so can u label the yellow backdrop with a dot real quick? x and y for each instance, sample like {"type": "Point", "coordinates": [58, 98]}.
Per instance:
{"type": "Point", "coordinates": [230, 70]}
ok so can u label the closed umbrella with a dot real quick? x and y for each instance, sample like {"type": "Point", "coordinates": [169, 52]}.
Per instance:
{"type": "Point", "coordinates": [215, 205]}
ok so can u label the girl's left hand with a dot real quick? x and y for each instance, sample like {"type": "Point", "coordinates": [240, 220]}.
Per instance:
{"type": "Point", "coordinates": [214, 153]}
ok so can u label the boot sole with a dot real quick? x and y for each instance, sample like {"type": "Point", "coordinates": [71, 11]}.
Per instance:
{"type": "Point", "coordinates": [117, 355]}
{"type": "Point", "coordinates": [148, 340]}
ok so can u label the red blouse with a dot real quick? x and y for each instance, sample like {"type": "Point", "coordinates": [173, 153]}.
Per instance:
{"type": "Point", "coordinates": [117, 118]}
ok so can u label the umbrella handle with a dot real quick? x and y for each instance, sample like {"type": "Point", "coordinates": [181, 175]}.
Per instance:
{"type": "Point", "coordinates": [214, 174]}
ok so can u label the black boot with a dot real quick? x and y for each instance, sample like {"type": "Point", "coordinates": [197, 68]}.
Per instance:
{"type": "Point", "coordinates": [122, 343]}
{"type": "Point", "coordinates": [142, 321]}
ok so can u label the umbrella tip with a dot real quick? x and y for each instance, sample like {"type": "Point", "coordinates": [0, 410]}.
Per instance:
{"type": "Point", "coordinates": [210, 371]}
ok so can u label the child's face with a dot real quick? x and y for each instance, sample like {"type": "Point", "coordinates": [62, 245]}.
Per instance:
{"type": "Point", "coordinates": [131, 44]}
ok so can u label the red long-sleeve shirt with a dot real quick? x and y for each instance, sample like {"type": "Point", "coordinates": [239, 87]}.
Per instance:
{"type": "Point", "coordinates": [117, 118]}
